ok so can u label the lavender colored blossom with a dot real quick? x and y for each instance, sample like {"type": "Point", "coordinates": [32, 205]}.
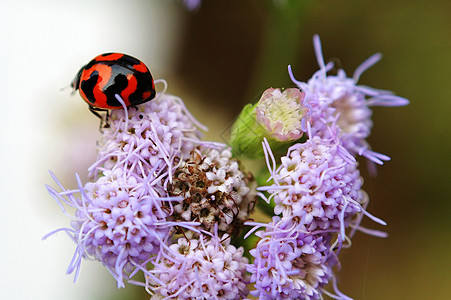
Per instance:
{"type": "Point", "coordinates": [318, 183]}
{"type": "Point", "coordinates": [118, 221]}
{"type": "Point", "coordinates": [192, 4]}
{"type": "Point", "coordinates": [204, 268]}
{"type": "Point", "coordinates": [157, 134]}
{"type": "Point", "coordinates": [290, 263]}
{"type": "Point", "coordinates": [318, 196]}
{"type": "Point", "coordinates": [338, 99]}
{"type": "Point", "coordinates": [214, 189]}
{"type": "Point", "coordinates": [121, 217]}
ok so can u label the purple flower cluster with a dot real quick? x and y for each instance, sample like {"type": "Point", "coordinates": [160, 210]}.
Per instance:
{"type": "Point", "coordinates": [129, 214]}
{"type": "Point", "coordinates": [340, 101]}
{"type": "Point", "coordinates": [120, 218]}
{"type": "Point", "coordinates": [317, 188]}
{"type": "Point", "coordinates": [156, 135]}
{"type": "Point", "coordinates": [317, 184]}
{"type": "Point", "coordinates": [204, 268]}
{"type": "Point", "coordinates": [192, 4]}
{"type": "Point", "coordinates": [290, 263]}
{"type": "Point", "coordinates": [117, 222]}
{"type": "Point", "coordinates": [317, 195]}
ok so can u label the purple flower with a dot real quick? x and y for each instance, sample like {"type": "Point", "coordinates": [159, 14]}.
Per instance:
{"type": "Point", "coordinates": [318, 196]}
{"type": "Point", "coordinates": [318, 185]}
{"type": "Point", "coordinates": [118, 221]}
{"type": "Point", "coordinates": [121, 217]}
{"type": "Point", "coordinates": [290, 263]}
{"type": "Point", "coordinates": [157, 134]}
{"type": "Point", "coordinates": [338, 99]}
{"type": "Point", "coordinates": [204, 268]}
{"type": "Point", "coordinates": [192, 4]}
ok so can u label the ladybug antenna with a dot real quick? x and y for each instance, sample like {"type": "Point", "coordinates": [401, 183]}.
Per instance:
{"type": "Point", "coordinates": [67, 87]}
{"type": "Point", "coordinates": [165, 84]}
{"type": "Point", "coordinates": [125, 111]}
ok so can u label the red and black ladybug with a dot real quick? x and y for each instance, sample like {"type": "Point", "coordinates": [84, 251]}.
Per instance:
{"type": "Point", "coordinates": [111, 74]}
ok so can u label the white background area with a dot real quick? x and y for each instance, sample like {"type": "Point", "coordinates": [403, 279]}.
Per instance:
{"type": "Point", "coordinates": [43, 44]}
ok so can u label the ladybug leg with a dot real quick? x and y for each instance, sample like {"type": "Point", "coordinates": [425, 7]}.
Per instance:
{"type": "Point", "coordinates": [103, 121]}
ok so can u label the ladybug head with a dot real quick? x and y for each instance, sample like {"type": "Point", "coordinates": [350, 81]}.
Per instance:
{"type": "Point", "coordinates": [75, 84]}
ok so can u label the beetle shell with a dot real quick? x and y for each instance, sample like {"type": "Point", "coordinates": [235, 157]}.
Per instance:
{"type": "Point", "coordinates": [114, 73]}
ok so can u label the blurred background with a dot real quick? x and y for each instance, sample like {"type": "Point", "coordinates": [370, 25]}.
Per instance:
{"type": "Point", "coordinates": [218, 58]}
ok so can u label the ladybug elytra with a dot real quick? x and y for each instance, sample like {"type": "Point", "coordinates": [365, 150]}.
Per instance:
{"type": "Point", "coordinates": [110, 75]}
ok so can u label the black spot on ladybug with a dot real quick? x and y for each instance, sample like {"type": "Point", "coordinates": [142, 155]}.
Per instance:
{"type": "Point", "coordinates": [143, 80]}
{"type": "Point", "coordinates": [118, 84]}
{"type": "Point", "coordinates": [87, 86]}
{"type": "Point", "coordinates": [127, 60]}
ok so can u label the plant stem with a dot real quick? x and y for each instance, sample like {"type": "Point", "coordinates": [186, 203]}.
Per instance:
{"type": "Point", "coordinates": [280, 45]}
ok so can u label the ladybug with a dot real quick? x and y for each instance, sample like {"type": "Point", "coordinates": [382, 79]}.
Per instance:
{"type": "Point", "coordinates": [111, 74]}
